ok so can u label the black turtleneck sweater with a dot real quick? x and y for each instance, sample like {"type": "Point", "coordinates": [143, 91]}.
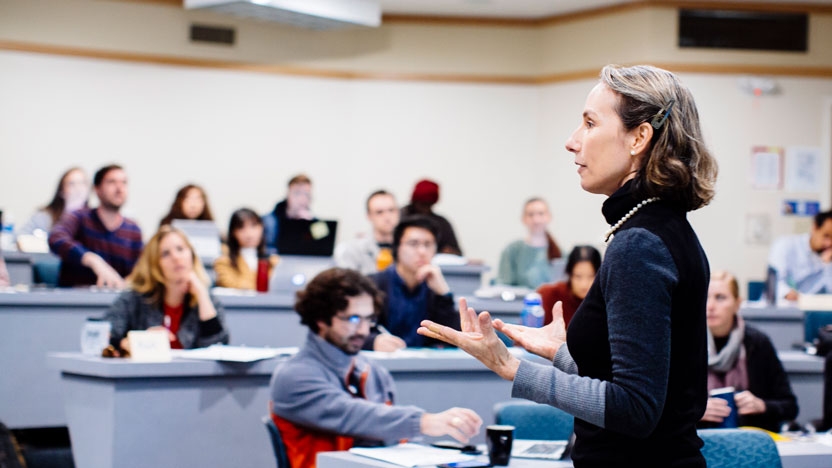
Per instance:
{"type": "Point", "coordinates": [634, 370]}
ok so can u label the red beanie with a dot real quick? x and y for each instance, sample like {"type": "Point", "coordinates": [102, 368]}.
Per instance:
{"type": "Point", "coordinates": [425, 191]}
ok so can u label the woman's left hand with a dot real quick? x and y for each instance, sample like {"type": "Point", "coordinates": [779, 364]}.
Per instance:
{"type": "Point", "coordinates": [748, 403]}
{"type": "Point", "coordinates": [198, 289]}
{"type": "Point", "coordinates": [477, 338]}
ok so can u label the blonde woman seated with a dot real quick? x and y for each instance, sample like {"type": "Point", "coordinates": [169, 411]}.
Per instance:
{"type": "Point", "coordinates": [237, 267]}
{"type": "Point", "coordinates": [527, 262]}
{"type": "Point", "coordinates": [743, 357]}
{"type": "Point", "coordinates": [168, 290]}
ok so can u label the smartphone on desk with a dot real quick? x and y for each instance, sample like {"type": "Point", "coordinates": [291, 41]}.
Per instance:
{"type": "Point", "coordinates": [466, 464]}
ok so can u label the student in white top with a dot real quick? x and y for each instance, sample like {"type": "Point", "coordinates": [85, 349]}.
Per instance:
{"type": "Point", "coordinates": [803, 262]}
{"type": "Point", "coordinates": [374, 253]}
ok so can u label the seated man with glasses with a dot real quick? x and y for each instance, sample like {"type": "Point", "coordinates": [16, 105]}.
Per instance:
{"type": "Point", "coordinates": [414, 289]}
{"type": "Point", "coordinates": [328, 397]}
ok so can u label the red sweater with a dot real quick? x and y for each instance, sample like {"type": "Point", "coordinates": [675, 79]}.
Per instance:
{"type": "Point", "coordinates": [551, 293]}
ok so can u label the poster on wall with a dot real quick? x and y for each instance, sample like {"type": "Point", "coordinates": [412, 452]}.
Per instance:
{"type": "Point", "coordinates": [767, 167]}
{"type": "Point", "coordinates": [803, 169]}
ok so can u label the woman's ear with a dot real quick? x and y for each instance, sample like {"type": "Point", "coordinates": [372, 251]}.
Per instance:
{"type": "Point", "coordinates": [641, 137]}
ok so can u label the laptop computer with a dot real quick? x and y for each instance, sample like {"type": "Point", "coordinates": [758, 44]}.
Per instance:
{"type": "Point", "coordinates": [305, 237]}
{"type": "Point", "coordinates": [541, 449]}
{"type": "Point", "coordinates": [203, 235]}
{"type": "Point", "coordinates": [294, 272]}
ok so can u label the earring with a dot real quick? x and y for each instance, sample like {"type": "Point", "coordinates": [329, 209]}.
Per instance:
{"type": "Point", "coordinates": [632, 152]}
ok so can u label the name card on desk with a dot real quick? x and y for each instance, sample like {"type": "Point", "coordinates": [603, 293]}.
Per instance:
{"type": "Point", "coordinates": [815, 302]}
{"type": "Point", "coordinates": [149, 346]}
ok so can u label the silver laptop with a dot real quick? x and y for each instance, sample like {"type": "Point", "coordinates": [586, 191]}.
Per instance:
{"type": "Point", "coordinates": [204, 235]}
{"type": "Point", "coordinates": [543, 449]}
{"type": "Point", "coordinates": [295, 271]}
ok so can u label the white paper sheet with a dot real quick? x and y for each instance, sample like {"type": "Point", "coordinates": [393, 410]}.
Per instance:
{"type": "Point", "coordinates": [412, 454]}
{"type": "Point", "coordinates": [233, 353]}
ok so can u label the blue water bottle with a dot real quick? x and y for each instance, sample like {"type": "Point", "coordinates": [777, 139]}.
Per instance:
{"type": "Point", "coordinates": [532, 314]}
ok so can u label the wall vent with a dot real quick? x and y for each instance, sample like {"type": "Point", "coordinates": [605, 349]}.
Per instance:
{"type": "Point", "coordinates": [718, 29]}
{"type": "Point", "coordinates": [212, 34]}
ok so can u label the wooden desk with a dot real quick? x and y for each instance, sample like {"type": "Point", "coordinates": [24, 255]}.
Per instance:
{"type": "Point", "coordinates": [792, 455]}
{"type": "Point", "coordinates": [39, 322]}
{"type": "Point", "coordinates": [806, 377]}
{"type": "Point", "coordinates": [117, 409]}
{"type": "Point", "coordinates": [176, 414]}
{"type": "Point", "coordinates": [783, 324]}
{"type": "Point", "coordinates": [464, 279]}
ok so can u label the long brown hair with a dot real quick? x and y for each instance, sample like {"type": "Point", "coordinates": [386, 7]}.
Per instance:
{"type": "Point", "coordinates": [56, 207]}
{"type": "Point", "coordinates": [147, 278]}
{"type": "Point", "coordinates": [176, 211]}
{"type": "Point", "coordinates": [678, 166]}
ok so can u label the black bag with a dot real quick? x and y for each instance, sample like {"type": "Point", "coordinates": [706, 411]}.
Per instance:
{"type": "Point", "coordinates": [10, 456]}
{"type": "Point", "coordinates": [823, 343]}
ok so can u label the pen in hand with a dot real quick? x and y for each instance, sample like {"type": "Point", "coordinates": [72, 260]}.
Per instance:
{"type": "Point", "coordinates": [383, 330]}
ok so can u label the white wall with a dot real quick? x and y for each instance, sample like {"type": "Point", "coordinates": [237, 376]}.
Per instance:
{"type": "Point", "coordinates": [242, 135]}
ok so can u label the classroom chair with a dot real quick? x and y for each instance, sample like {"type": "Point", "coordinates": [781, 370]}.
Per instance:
{"type": "Point", "coordinates": [739, 448]}
{"type": "Point", "coordinates": [814, 319]}
{"type": "Point", "coordinates": [277, 443]}
{"type": "Point", "coordinates": [533, 420]}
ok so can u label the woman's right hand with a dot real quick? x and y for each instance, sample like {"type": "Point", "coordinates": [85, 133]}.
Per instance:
{"type": "Point", "coordinates": [716, 410]}
{"type": "Point", "coordinates": [544, 341]}
{"type": "Point", "coordinates": [477, 338]}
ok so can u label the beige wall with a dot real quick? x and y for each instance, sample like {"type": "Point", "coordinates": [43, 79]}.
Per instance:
{"type": "Point", "coordinates": [490, 145]}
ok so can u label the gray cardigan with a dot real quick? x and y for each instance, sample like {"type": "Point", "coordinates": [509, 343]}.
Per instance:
{"type": "Point", "coordinates": [135, 311]}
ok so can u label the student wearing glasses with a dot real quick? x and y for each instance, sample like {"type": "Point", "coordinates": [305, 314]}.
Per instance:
{"type": "Point", "coordinates": [414, 289]}
{"type": "Point", "coordinates": [329, 397]}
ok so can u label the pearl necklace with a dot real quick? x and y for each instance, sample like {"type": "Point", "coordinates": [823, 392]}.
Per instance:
{"type": "Point", "coordinates": [627, 216]}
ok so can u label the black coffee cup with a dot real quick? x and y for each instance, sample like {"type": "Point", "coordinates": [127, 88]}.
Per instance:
{"type": "Point", "coordinates": [499, 439]}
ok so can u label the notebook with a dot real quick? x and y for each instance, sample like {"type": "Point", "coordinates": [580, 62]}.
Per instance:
{"type": "Point", "coordinates": [203, 235]}
{"type": "Point", "coordinates": [305, 237]}
{"type": "Point", "coordinates": [543, 449]}
{"type": "Point", "coordinates": [294, 272]}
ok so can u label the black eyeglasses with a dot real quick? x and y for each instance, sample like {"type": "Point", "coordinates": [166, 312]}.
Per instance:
{"type": "Point", "coordinates": [355, 320]}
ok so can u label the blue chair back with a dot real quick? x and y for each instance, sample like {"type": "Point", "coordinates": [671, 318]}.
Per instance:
{"type": "Point", "coordinates": [814, 319]}
{"type": "Point", "coordinates": [534, 421]}
{"type": "Point", "coordinates": [277, 443]}
{"type": "Point", "coordinates": [739, 448]}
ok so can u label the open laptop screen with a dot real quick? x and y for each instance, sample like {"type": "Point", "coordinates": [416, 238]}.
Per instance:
{"type": "Point", "coordinates": [304, 237]}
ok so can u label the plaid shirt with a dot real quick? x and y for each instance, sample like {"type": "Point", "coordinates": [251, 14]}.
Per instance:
{"type": "Point", "coordinates": [82, 231]}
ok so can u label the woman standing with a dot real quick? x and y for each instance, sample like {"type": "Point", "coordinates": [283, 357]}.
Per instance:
{"type": "Point", "coordinates": [633, 368]}
{"type": "Point", "coordinates": [528, 262]}
{"type": "Point", "coordinates": [168, 290]}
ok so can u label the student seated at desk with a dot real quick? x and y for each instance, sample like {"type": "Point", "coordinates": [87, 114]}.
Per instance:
{"type": "Point", "coordinates": [414, 289]}
{"type": "Point", "coordinates": [98, 246]}
{"type": "Point", "coordinates": [803, 262]}
{"type": "Point", "coordinates": [329, 397]}
{"type": "Point", "coordinates": [72, 193]}
{"type": "Point", "coordinates": [168, 290]}
{"type": "Point", "coordinates": [581, 266]}
{"type": "Point", "coordinates": [743, 357]}
{"type": "Point", "coordinates": [191, 202]}
{"type": "Point", "coordinates": [237, 268]}
{"type": "Point", "coordinates": [295, 206]}
{"type": "Point", "coordinates": [527, 262]}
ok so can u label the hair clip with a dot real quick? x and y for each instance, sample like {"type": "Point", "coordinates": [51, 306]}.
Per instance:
{"type": "Point", "coordinates": [661, 115]}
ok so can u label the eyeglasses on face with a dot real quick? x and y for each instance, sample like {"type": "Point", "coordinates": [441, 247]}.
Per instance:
{"type": "Point", "coordinates": [356, 320]}
{"type": "Point", "coordinates": [427, 245]}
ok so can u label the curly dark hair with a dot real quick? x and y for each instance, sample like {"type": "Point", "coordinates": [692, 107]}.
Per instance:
{"type": "Point", "coordinates": [329, 293]}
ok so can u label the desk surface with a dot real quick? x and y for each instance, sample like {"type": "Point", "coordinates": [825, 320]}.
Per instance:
{"type": "Point", "coordinates": [803, 454]}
